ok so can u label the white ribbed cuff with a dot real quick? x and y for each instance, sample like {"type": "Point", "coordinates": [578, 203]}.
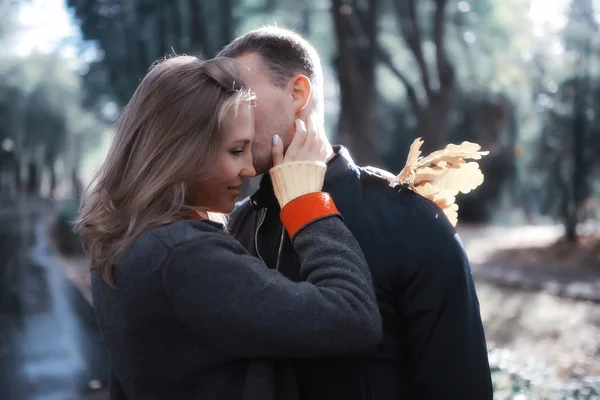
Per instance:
{"type": "Point", "coordinates": [297, 178]}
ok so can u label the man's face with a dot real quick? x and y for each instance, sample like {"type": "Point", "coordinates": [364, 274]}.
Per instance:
{"type": "Point", "coordinates": [274, 112]}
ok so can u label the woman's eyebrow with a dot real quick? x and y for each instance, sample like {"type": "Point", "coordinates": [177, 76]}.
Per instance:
{"type": "Point", "coordinates": [241, 141]}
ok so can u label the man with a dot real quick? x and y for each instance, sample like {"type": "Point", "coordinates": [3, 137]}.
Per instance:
{"type": "Point", "coordinates": [434, 344]}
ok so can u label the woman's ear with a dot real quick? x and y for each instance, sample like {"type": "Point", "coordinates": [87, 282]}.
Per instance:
{"type": "Point", "coordinates": [301, 90]}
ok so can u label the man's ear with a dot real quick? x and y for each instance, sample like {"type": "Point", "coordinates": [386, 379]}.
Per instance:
{"type": "Point", "coordinates": [301, 89]}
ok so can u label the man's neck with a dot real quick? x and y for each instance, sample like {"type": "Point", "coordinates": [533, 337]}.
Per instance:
{"type": "Point", "coordinates": [338, 161]}
{"type": "Point", "coordinates": [330, 152]}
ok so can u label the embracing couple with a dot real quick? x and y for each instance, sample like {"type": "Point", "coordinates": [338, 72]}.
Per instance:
{"type": "Point", "coordinates": [326, 283]}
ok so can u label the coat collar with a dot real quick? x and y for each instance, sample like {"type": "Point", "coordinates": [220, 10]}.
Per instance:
{"type": "Point", "coordinates": [340, 164]}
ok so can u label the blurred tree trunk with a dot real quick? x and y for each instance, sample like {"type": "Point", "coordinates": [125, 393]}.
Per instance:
{"type": "Point", "coordinates": [227, 24]}
{"type": "Point", "coordinates": [355, 64]}
{"type": "Point", "coordinates": [433, 113]}
{"type": "Point", "coordinates": [162, 33]}
{"type": "Point", "coordinates": [197, 26]}
{"type": "Point", "coordinates": [306, 20]}
{"type": "Point", "coordinates": [178, 36]}
{"type": "Point", "coordinates": [212, 25]}
{"type": "Point", "coordinates": [577, 191]}
{"type": "Point", "coordinates": [51, 167]}
{"type": "Point", "coordinates": [8, 173]}
{"type": "Point", "coordinates": [577, 188]}
{"type": "Point", "coordinates": [18, 179]}
{"type": "Point", "coordinates": [78, 151]}
{"type": "Point", "coordinates": [433, 117]}
{"type": "Point", "coordinates": [53, 181]}
{"type": "Point", "coordinates": [33, 179]}
{"type": "Point", "coordinates": [77, 186]}
{"type": "Point", "coordinates": [137, 33]}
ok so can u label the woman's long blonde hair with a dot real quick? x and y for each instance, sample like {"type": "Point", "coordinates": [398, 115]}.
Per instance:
{"type": "Point", "coordinates": [166, 140]}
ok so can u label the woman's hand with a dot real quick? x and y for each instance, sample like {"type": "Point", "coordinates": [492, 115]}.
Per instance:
{"type": "Point", "coordinates": [302, 169]}
{"type": "Point", "coordinates": [307, 144]}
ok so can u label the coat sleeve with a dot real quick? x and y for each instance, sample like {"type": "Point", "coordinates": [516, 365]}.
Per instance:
{"type": "Point", "coordinates": [446, 343]}
{"type": "Point", "coordinates": [234, 303]}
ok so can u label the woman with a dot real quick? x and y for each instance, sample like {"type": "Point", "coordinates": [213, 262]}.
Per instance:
{"type": "Point", "coordinates": [185, 311]}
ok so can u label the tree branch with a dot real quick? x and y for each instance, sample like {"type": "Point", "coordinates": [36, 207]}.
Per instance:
{"type": "Point", "coordinates": [406, 14]}
{"type": "Point", "coordinates": [372, 32]}
{"type": "Point", "coordinates": [410, 89]}
{"type": "Point", "coordinates": [227, 23]}
{"type": "Point", "coordinates": [198, 28]}
{"type": "Point", "coordinates": [444, 68]}
{"type": "Point", "coordinates": [384, 57]}
{"type": "Point", "coordinates": [346, 53]}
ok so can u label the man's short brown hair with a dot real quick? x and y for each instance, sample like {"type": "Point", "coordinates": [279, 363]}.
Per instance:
{"type": "Point", "coordinates": [284, 52]}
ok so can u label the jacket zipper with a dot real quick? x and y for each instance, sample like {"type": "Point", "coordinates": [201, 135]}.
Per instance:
{"type": "Point", "coordinates": [280, 247]}
{"type": "Point", "coordinates": [260, 222]}
{"type": "Point", "coordinates": [365, 389]}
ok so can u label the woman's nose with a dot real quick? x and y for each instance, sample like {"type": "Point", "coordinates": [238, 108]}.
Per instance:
{"type": "Point", "coordinates": [248, 171]}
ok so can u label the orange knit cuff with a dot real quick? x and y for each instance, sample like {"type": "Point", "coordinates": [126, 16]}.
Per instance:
{"type": "Point", "coordinates": [307, 208]}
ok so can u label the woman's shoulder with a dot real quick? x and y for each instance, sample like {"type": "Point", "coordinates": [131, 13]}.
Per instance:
{"type": "Point", "coordinates": [194, 242]}
{"type": "Point", "coordinates": [148, 254]}
{"type": "Point", "coordinates": [191, 239]}
{"type": "Point", "coordinates": [188, 231]}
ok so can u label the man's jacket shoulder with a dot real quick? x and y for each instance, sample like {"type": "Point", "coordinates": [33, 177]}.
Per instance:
{"type": "Point", "coordinates": [361, 194]}
{"type": "Point", "coordinates": [371, 194]}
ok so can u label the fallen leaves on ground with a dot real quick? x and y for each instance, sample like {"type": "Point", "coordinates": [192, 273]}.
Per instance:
{"type": "Point", "coordinates": [585, 253]}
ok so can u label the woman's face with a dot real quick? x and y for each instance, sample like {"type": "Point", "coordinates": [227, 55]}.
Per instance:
{"type": "Point", "coordinates": [234, 162]}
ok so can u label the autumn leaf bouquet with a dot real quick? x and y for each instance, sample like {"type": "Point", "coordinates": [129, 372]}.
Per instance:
{"type": "Point", "coordinates": [441, 175]}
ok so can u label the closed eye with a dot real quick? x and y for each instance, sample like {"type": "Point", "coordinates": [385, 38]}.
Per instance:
{"type": "Point", "coordinates": [240, 147]}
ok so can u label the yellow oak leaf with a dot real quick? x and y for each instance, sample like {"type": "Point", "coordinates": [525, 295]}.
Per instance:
{"type": "Point", "coordinates": [443, 174]}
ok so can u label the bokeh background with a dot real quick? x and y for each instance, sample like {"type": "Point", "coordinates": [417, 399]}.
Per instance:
{"type": "Point", "coordinates": [520, 77]}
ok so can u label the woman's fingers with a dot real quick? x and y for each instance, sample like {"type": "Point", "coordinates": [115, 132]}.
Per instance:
{"type": "Point", "coordinates": [307, 144]}
{"type": "Point", "coordinates": [277, 150]}
{"type": "Point", "coordinates": [294, 151]}
{"type": "Point", "coordinates": [311, 134]}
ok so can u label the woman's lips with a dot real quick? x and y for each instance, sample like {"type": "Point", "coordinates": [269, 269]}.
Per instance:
{"type": "Point", "coordinates": [236, 190]}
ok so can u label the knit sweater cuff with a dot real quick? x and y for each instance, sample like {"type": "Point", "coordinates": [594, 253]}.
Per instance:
{"type": "Point", "coordinates": [306, 209]}
{"type": "Point", "coordinates": [294, 179]}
